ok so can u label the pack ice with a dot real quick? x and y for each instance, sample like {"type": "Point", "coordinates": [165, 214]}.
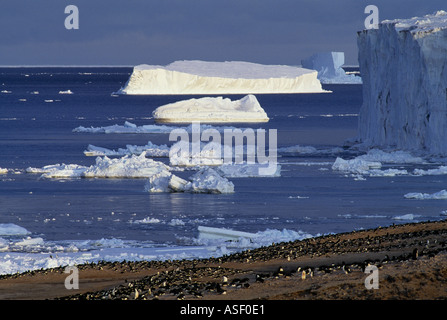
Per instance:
{"type": "Point", "coordinates": [212, 109]}
{"type": "Point", "coordinates": [329, 67]}
{"type": "Point", "coordinates": [230, 77]}
{"type": "Point", "coordinates": [404, 70]}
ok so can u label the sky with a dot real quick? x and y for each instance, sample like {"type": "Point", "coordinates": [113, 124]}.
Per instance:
{"type": "Point", "coordinates": [131, 32]}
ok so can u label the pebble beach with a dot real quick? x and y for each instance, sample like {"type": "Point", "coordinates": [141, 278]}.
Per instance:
{"type": "Point", "coordinates": [410, 261]}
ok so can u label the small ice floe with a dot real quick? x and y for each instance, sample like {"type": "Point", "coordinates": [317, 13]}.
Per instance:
{"type": "Point", "coordinates": [6, 91]}
{"type": "Point", "coordinates": [206, 180]}
{"type": "Point", "coordinates": [400, 157]}
{"type": "Point", "coordinates": [225, 234]}
{"type": "Point", "coordinates": [152, 150]}
{"type": "Point", "coordinates": [212, 109]}
{"type": "Point", "coordinates": [125, 167]}
{"type": "Point", "coordinates": [356, 165]}
{"type": "Point", "coordinates": [440, 195]}
{"type": "Point", "coordinates": [8, 229]}
{"type": "Point", "coordinates": [3, 171]}
{"type": "Point", "coordinates": [408, 216]}
{"type": "Point", "coordinates": [66, 92]}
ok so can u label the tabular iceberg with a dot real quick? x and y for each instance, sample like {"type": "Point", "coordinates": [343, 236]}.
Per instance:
{"type": "Point", "coordinates": [404, 70]}
{"type": "Point", "coordinates": [329, 67]}
{"type": "Point", "coordinates": [231, 77]}
{"type": "Point", "coordinates": [212, 109]}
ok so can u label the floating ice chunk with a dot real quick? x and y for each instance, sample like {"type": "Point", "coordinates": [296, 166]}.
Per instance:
{"type": "Point", "coordinates": [59, 171]}
{"type": "Point", "coordinates": [408, 216]}
{"type": "Point", "coordinates": [129, 127]}
{"type": "Point", "coordinates": [355, 165]}
{"type": "Point", "coordinates": [222, 233]}
{"type": "Point", "coordinates": [440, 195]}
{"type": "Point", "coordinates": [151, 150]}
{"type": "Point", "coordinates": [212, 109]}
{"type": "Point", "coordinates": [3, 171]}
{"type": "Point", "coordinates": [125, 167]}
{"type": "Point", "coordinates": [206, 180]}
{"type": "Point", "coordinates": [329, 67]}
{"type": "Point", "coordinates": [8, 229]}
{"type": "Point", "coordinates": [235, 77]}
{"type": "Point", "coordinates": [209, 181]}
{"type": "Point", "coordinates": [390, 157]}
{"type": "Point", "coordinates": [431, 172]}
{"type": "Point", "coordinates": [66, 92]}
{"type": "Point", "coordinates": [147, 220]}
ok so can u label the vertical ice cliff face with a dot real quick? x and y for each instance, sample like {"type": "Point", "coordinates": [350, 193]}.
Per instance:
{"type": "Point", "coordinates": [404, 70]}
{"type": "Point", "coordinates": [230, 77]}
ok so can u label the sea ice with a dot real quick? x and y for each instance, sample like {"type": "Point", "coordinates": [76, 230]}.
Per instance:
{"type": "Point", "coordinates": [151, 150]}
{"type": "Point", "coordinates": [235, 77]}
{"type": "Point", "coordinates": [440, 195]}
{"type": "Point", "coordinates": [135, 166]}
{"type": "Point", "coordinates": [212, 109]}
{"type": "Point", "coordinates": [206, 180]}
{"type": "Point", "coordinates": [355, 165]}
{"type": "Point", "coordinates": [329, 67]}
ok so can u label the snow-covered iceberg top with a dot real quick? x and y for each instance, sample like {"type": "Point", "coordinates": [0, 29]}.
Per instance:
{"type": "Point", "coordinates": [427, 23]}
{"type": "Point", "coordinates": [403, 65]}
{"type": "Point", "coordinates": [329, 67]}
{"type": "Point", "coordinates": [212, 109]}
{"type": "Point", "coordinates": [231, 77]}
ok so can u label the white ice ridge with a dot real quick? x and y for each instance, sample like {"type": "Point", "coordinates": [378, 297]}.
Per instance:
{"type": "Point", "coordinates": [440, 195]}
{"type": "Point", "coordinates": [212, 109]}
{"type": "Point", "coordinates": [231, 77]}
{"type": "Point", "coordinates": [403, 65]}
{"type": "Point", "coordinates": [135, 166]}
{"type": "Point", "coordinates": [129, 127]}
{"type": "Point", "coordinates": [206, 180]}
{"type": "Point", "coordinates": [151, 150]}
{"type": "Point", "coordinates": [370, 164]}
{"type": "Point", "coordinates": [329, 67]}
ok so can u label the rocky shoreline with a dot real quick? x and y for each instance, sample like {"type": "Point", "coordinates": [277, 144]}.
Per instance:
{"type": "Point", "coordinates": [410, 261]}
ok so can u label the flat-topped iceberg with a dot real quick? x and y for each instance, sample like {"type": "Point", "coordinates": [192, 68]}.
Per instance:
{"type": "Point", "coordinates": [329, 67]}
{"type": "Point", "coordinates": [403, 65]}
{"type": "Point", "coordinates": [231, 77]}
{"type": "Point", "coordinates": [212, 109]}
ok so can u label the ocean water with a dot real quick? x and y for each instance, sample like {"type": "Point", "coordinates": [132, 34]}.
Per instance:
{"type": "Point", "coordinates": [50, 222]}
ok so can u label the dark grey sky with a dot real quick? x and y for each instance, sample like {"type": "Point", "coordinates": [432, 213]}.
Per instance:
{"type": "Point", "coordinates": [130, 32]}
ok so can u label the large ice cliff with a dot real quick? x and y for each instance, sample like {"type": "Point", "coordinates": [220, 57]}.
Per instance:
{"type": "Point", "coordinates": [404, 70]}
{"type": "Point", "coordinates": [235, 77]}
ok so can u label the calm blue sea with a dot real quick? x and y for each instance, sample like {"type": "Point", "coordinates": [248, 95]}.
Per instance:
{"type": "Point", "coordinates": [36, 129]}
